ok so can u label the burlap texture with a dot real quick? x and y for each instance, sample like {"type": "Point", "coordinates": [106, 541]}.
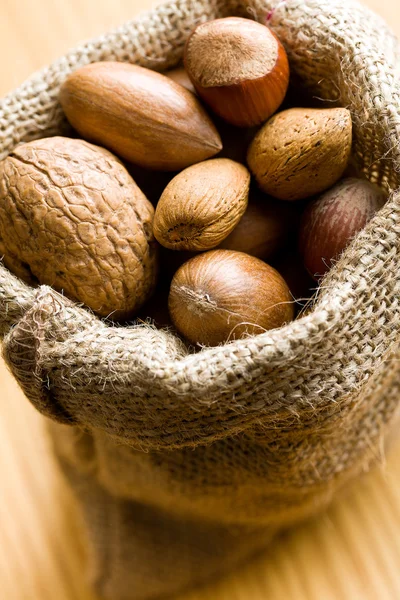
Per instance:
{"type": "Point", "coordinates": [184, 463]}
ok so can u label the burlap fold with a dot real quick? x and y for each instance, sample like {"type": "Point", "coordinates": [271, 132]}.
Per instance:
{"type": "Point", "coordinates": [185, 463]}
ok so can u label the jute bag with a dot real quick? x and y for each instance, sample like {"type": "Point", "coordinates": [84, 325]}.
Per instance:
{"type": "Point", "coordinates": [185, 464]}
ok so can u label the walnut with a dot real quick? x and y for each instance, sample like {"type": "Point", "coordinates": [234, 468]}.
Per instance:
{"type": "Point", "coordinates": [72, 217]}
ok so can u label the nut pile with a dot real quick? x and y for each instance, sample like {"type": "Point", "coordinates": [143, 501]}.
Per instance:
{"type": "Point", "coordinates": [214, 183]}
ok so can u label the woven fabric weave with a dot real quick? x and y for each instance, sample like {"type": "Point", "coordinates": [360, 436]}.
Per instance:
{"type": "Point", "coordinates": [186, 463]}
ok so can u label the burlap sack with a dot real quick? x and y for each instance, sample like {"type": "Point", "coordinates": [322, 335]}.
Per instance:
{"type": "Point", "coordinates": [184, 464]}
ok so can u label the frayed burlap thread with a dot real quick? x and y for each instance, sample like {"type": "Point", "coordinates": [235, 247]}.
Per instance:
{"type": "Point", "coordinates": [183, 463]}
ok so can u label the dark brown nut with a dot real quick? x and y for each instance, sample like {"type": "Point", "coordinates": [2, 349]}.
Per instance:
{"type": "Point", "coordinates": [331, 221]}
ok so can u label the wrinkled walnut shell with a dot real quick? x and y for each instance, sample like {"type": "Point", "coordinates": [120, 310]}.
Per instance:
{"type": "Point", "coordinates": [71, 217]}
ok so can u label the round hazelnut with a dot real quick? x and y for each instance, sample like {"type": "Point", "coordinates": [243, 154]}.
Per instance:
{"type": "Point", "coordinates": [239, 68]}
{"type": "Point", "coordinates": [224, 295]}
{"type": "Point", "coordinates": [332, 220]}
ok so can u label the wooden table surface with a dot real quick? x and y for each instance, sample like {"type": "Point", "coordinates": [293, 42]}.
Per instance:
{"type": "Point", "coordinates": [352, 552]}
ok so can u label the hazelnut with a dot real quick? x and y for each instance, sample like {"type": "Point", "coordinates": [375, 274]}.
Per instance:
{"type": "Point", "coordinates": [224, 295]}
{"type": "Point", "coordinates": [331, 221]}
{"type": "Point", "coordinates": [239, 68]}
{"type": "Point", "coordinates": [202, 205]}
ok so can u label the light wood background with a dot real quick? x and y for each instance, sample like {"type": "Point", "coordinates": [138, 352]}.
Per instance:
{"type": "Point", "coordinates": [350, 553]}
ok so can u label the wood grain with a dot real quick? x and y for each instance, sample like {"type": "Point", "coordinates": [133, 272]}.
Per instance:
{"type": "Point", "coordinates": [351, 552]}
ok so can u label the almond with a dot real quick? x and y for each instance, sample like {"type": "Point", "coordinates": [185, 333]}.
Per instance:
{"type": "Point", "coordinates": [202, 205]}
{"type": "Point", "coordinates": [143, 116]}
{"type": "Point", "coordinates": [301, 151]}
